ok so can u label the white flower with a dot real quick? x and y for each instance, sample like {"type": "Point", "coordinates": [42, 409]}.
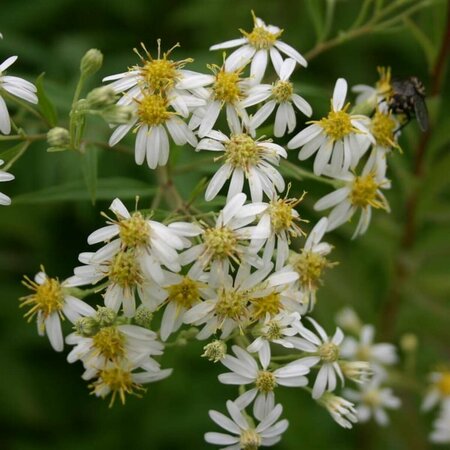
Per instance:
{"type": "Point", "coordinates": [241, 435]}
{"type": "Point", "coordinates": [280, 94]}
{"type": "Point", "coordinates": [372, 400]}
{"type": "Point", "coordinates": [256, 46]}
{"type": "Point", "coordinates": [366, 350]}
{"type": "Point", "coordinates": [361, 192]}
{"type": "Point", "coordinates": [348, 320]}
{"type": "Point", "coordinates": [375, 95]}
{"type": "Point", "coordinates": [5, 176]}
{"type": "Point", "coordinates": [441, 432]}
{"type": "Point", "coordinates": [227, 241]}
{"type": "Point", "coordinates": [339, 139]}
{"type": "Point", "coordinates": [50, 302]}
{"type": "Point", "coordinates": [341, 410]}
{"type": "Point", "coordinates": [326, 352]}
{"type": "Point", "coordinates": [16, 86]}
{"type": "Point", "coordinates": [439, 390]}
{"type": "Point", "coordinates": [244, 158]}
{"type": "Point", "coordinates": [245, 370]}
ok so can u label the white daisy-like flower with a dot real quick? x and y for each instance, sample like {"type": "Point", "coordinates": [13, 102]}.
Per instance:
{"type": "Point", "coordinates": [342, 411]}
{"type": "Point", "coordinates": [280, 95]}
{"type": "Point", "coordinates": [282, 222]}
{"type": "Point", "coordinates": [439, 390]}
{"type": "Point", "coordinates": [120, 380]}
{"type": "Point", "coordinates": [340, 139]}
{"type": "Point", "coordinates": [364, 349]}
{"type": "Point", "coordinates": [227, 241]}
{"type": "Point", "coordinates": [372, 400]}
{"type": "Point", "coordinates": [441, 426]}
{"type": "Point", "coordinates": [244, 159]}
{"type": "Point", "coordinates": [5, 176]}
{"type": "Point", "coordinates": [243, 435]}
{"type": "Point", "coordinates": [156, 244]}
{"type": "Point", "coordinates": [50, 302]}
{"type": "Point", "coordinates": [245, 370]}
{"type": "Point", "coordinates": [360, 192]}
{"type": "Point", "coordinates": [228, 90]}
{"type": "Point", "coordinates": [114, 343]}
{"type": "Point", "coordinates": [16, 86]}
{"type": "Point", "coordinates": [326, 353]}
{"type": "Point", "coordinates": [256, 47]}
{"type": "Point", "coordinates": [312, 261]}
{"type": "Point", "coordinates": [239, 301]}
{"type": "Point", "coordinates": [278, 330]}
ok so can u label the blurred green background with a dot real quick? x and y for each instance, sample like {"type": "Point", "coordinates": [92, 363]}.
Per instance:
{"type": "Point", "coordinates": [43, 401]}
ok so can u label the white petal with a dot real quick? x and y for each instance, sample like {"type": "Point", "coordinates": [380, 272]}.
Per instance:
{"type": "Point", "coordinates": [339, 94]}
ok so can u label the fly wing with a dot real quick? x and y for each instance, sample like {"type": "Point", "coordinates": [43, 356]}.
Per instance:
{"type": "Point", "coordinates": [420, 108]}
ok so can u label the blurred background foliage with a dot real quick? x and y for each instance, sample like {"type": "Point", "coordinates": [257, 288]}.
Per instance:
{"type": "Point", "coordinates": [396, 276]}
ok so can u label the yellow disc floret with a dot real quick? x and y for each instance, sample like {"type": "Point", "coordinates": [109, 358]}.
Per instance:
{"type": "Point", "coordinates": [260, 37]}
{"type": "Point", "coordinates": [186, 293]}
{"type": "Point", "coordinates": [283, 216]}
{"type": "Point", "coordinates": [134, 231]}
{"type": "Point", "coordinates": [48, 297]}
{"type": "Point", "coordinates": [383, 127]}
{"type": "Point", "coordinates": [365, 192]}
{"type": "Point", "coordinates": [329, 352]}
{"type": "Point", "coordinates": [383, 85]}
{"type": "Point", "coordinates": [265, 381]}
{"type": "Point", "coordinates": [250, 440]}
{"type": "Point", "coordinates": [310, 266]}
{"type": "Point", "coordinates": [337, 124]}
{"type": "Point", "coordinates": [221, 243]}
{"type": "Point", "coordinates": [282, 91]}
{"type": "Point", "coordinates": [270, 304]}
{"type": "Point", "coordinates": [226, 87]}
{"type": "Point", "coordinates": [124, 270]}
{"type": "Point", "coordinates": [109, 342]}
{"type": "Point", "coordinates": [153, 110]}
{"type": "Point", "coordinates": [231, 305]}
{"type": "Point", "coordinates": [444, 384]}
{"type": "Point", "coordinates": [242, 151]}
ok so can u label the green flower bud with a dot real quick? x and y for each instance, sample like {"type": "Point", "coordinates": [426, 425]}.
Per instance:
{"type": "Point", "coordinates": [105, 316]}
{"type": "Point", "coordinates": [58, 137]}
{"type": "Point", "coordinates": [91, 62]}
{"type": "Point", "coordinates": [86, 326]}
{"type": "Point", "coordinates": [143, 316]}
{"type": "Point", "coordinates": [101, 97]}
{"type": "Point", "coordinates": [117, 114]}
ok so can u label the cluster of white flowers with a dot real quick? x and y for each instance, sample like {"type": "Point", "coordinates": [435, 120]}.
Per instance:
{"type": "Point", "coordinates": [242, 275]}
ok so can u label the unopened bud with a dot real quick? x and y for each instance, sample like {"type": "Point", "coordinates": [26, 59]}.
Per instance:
{"type": "Point", "coordinates": [215, 351]}
{"type": "Point", "coordinates": [117, 114]}
{"type": "Point", "coordinates": [86, 326]}
{"type": "Point", "coordinates": [58, 137]}
{"type": "Point", "coordinates": [143, 316]}
{"type": "Point", "coordinates": [408, 342]}
{"type": "Point", "coordinates": [105, 316]}
{"type": "Point", "coordinates": [101, 97]}
{"type": "Point", "coordinates": [357, 371]}
{"type": "Point", "coordinates": [91, 62]}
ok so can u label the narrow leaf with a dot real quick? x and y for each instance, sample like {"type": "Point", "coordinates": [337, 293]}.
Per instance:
{"type": "Point", "coordinates": [45, 105]}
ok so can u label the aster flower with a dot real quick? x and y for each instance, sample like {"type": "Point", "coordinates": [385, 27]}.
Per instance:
{"type": "Point", "coordinates": [227, 241]}
{"type": "Point", "coordinates": [366, 350]}
{"type": "Point", "coordinates": [280, 95]}
{"type": "Point", "coordinates": [441, 426]}
{"type": "Point", "coordinates": [245, 370]}
{"type": "Point", "coordinates": [16, 86]}
{"type": "Point", "coordinates": [372, 400]}
{"type": "Point", "coordinates": [341, 410]}
{"type": "Point", "coordinates": [256, 47]}
{"type": "Point", "coordinates": [5, 176]}
{"type": "Point", "coordinates": [438, 391]}
{"type": "Point", "coordinates": [50, 302]}
{"type": "Point", "coordinates": [243, 435]}
{"type": "Point", "coordinates": [340, 139]}
{"type": "Point", "coordinates": [362, 193]}
{"type": "Point", "coordinates": [244, 158]}
{"type": "Point", "coordinates": [326, 353]}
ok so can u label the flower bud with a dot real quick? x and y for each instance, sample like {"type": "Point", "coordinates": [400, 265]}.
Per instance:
{"type": "Point", "coordinates": [117, 114]}
{"type": "Point", "coordinates": [408, 342]}
{"type": "Point", "coordinates": [101, 97]}
{"type": "Point", "coordinates": [105, 316]}
{"type": "Point", "coordinates": [357, 371]}
{"type": "Point", "coordinates": [215, 351]}
{"type": "Point", "coordinates": [91, 62]}
{"type": "Point", "coordinates": [143, 316]}
{"type": "Point", "coordinates": [58, 137]}
{"type": "Point", "coordinates": [86, 326]}
{"type": "Point", "coordinates": [341, 410]}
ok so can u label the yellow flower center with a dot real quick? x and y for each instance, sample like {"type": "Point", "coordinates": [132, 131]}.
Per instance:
{"type": "Point", "coordinates": [269, 304]}
{"type": "Point", "coordinates": [383, 127]}
{"type": "Point", "coordinates": [260, 38]}
{"type": "Point", "coordinates": [134, 231]}
{"type": "Point", "coordinates": [371, 398]}
{"type": "Point", "coordinates": [124, 270]}
{"type": "Point", "coordinates": [220, 242]}
{"type": "Point", "coordinates": [152, 110]}
{"type": "Point", "coordinates": [310, 266]}
{"type": "Point", "coordinates": [110, 343]}
{"type": "Point", "coordinates": [365, 193]}
{"type": "Point", "coordinates": [226, 88]}
{"type": "Point", "coordinates": [242, 151]}
{"type": "Point", "coordinates": [337, 124]}
{"type": "Point", "coordinates": [384, 85]}
{"type": "Point", "coordinates": [282, 91]}
{"type": "Point", "coordinates": [185, 293]}
{"type": "Point", "coordinates": [250, 440]}
{"type": "Point", "coordinates": [273, 331]}
{"type": "Point", "coordinates": [363, 353]}
{"type": "Point", "coordinates": [231, 305]}
{"type": "Point", "coordinates": [265, 381]}
{"type": "Point", "coordinates": [329, 352]}
{"type": "Point", "coordinates": [444, 384]}
{"type": "Point", "coordinates": [48, 297]}
{"type": "Point", "coordinates": [160, 74]}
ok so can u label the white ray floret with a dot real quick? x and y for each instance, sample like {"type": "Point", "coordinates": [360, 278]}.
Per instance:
{"type": "Point", "coordinates": [5, 176]}
{"type": "Point", "coordinates": [441, 426]}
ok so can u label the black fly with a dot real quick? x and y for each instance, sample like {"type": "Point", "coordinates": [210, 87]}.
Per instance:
{"type": "Point", "coordinates": [408, 98]}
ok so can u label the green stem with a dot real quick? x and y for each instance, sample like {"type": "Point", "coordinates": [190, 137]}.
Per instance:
{"type": "Point", "coordinates": [24, 137]}
{"type": "Point", "coordinates": [73, 113]}
{"type": "Point", "coordinates": [25, 145]}
{"type": "Point", "coordinates": [300, 174]}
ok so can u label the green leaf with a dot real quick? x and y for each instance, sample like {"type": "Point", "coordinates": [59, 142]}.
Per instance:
{"type": "Point", "coordinates": [11, 155]}
{"type": "Point", "coordinates": [45, 105]}
{"type": "Point", "coordinates": [423, 40]}
{"type": "Point", "coordinates": [107, 189]}
{"type": "Point", "coordinates": [89, 165]}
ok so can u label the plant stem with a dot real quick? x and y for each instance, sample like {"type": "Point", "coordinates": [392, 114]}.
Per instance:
{"type": "Point", "coordinates": [300, 174]}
